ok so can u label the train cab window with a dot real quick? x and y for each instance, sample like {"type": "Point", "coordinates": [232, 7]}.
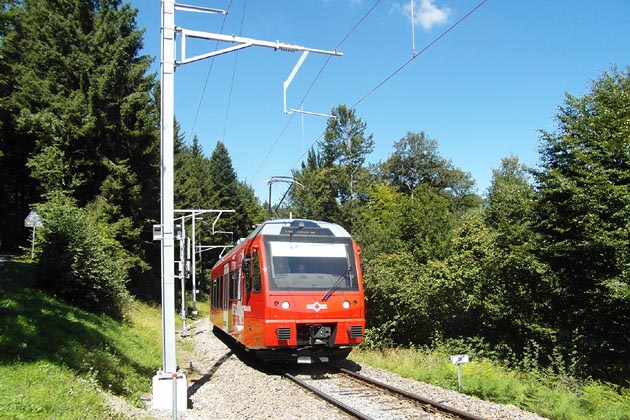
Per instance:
{"type": "Point", "coordinates": [311, 264]}
{"type": "Point", "coordinates": [256, 279]}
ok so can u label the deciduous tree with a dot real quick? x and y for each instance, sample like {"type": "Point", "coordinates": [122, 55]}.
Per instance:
{"type": "Point", "coordinates": [582, 217]}
{"type": "Point", "coordinates": [416, 162]}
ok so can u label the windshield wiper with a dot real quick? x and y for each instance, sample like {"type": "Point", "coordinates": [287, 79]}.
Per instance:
{"type": "Point", "coordinates": [335, 285]}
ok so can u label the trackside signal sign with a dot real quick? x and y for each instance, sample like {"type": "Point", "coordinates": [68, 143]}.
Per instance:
{"type": "Point", "coordinates": [459, 359]}
{"type": "Point", "coordinates": [33, 220]}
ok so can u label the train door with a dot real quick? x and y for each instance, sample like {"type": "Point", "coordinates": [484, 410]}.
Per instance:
{"type": "Point", "coordinates": [239, 314]}
{"type": "Point", "coordinates": [226, 295]}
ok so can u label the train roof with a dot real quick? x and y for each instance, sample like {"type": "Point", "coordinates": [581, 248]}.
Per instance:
{"type": "Point", "coordinates": [300, 227]}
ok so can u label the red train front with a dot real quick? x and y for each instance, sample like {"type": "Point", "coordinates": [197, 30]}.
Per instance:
{"type": "Point", "coordinates": [292, 290]}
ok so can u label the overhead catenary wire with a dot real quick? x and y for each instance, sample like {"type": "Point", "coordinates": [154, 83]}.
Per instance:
{"type": "Point", "coordinates": [321, 70]}
{"type": "Point", "coordinates": [429, 45]}
{"type": "Point", "coordinates": [398, 70]}
{"type": "Point", "coordinates": [205, 85]}
{"type": "Point", "coordinates": [227, 111]}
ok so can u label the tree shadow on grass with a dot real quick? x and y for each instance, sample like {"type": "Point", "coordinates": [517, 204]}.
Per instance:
{"type": "Point", "coordinates": [35, 326]}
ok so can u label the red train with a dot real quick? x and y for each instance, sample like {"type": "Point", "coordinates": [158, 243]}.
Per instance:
{"type": "Point", "coordinates": [291, 291]}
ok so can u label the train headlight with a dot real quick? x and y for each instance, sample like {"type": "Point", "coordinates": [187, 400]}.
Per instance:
{"type": "Point", "coordinates": [285, 305]}
{"type": "Point", "coordinates": [346, 304]}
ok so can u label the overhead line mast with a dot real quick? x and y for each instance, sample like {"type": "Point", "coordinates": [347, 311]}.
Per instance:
{"type": "Point", "coordinates": [168, 64]}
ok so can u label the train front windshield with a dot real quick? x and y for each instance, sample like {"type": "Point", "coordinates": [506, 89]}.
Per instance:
{"type": "Point", "coordinates": [311, 264]}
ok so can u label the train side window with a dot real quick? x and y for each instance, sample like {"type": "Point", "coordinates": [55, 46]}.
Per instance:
{"type": "Point", "coordinates": [221, 288]}
{"type": "Point", "coordinates": [215, 293]}
{"type": "Point", "coordinates": [256, 280]}
{"type": "Point", "coordinates": [218, 292]}
{"type": "Point", "coordinates": [247, 274]}
{"type": "Point", "coordinates": [230, 285]}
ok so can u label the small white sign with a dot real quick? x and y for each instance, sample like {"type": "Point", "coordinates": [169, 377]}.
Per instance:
{"type": "Point", "coordinates": [33, 220]}
{"type": "Point", "coordinates": [459, 359]}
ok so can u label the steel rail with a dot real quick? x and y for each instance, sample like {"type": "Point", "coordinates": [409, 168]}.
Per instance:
{"type": "Point", "coordinates": [326, 397]}
{"type": "Point", "coordinates": [438, 406]}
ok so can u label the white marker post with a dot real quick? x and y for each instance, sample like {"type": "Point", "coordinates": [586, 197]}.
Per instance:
{"type": "Point", "coordinates": [34, 221]}
{"type": "Point", "coordinates": [459, 360]}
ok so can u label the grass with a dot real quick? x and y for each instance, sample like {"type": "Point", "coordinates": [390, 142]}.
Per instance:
{"type": "Point", "coordinates": [549, 396]}
{"type": "Point", "coordinates": [43, 390]}
{"type": "Point", "coordinates": [56, 360]}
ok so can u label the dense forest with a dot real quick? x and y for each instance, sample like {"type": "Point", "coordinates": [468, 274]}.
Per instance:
{"type": "Point", "coordinates": [536, 272]}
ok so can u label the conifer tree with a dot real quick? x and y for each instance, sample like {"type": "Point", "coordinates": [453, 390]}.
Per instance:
{"type": "Point", "coordinates": [331, 174]}
{"type": "Point", "coordinates": [79, 109]}
{"type": "Point", "coordinates": [233, 194]}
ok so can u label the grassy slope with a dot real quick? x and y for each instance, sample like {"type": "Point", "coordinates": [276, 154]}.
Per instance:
{"type": "Point", "coordinates": [55, 360]}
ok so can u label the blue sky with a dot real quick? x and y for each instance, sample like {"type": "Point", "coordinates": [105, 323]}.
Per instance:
{"type": "Point", "coordinates": [482, 91]}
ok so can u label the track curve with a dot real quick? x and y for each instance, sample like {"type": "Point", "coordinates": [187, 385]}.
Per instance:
{"type": "Point", "coordinates": [366, 398]}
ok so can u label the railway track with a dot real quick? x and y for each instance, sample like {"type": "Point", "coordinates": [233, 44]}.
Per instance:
{"type": "Point", "coordinates": [366, 398]}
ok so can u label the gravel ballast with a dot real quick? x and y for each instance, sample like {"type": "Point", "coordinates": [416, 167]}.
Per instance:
{"type": "Point", "coordinates": [224, 385]}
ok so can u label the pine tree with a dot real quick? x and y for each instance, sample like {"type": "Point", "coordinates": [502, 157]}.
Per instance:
{"type": "Point", "coordinates": [194, 188]}
{"type": "Point", "coordinates": [233, 194]}
{"type": "Point", "coordinates": [79, 105]}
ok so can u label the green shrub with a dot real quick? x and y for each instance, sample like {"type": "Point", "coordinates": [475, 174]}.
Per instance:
{"type": "Point", "coordinates": [397, 304]}
{"type": "Point", "coordinates": [75, 263]}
